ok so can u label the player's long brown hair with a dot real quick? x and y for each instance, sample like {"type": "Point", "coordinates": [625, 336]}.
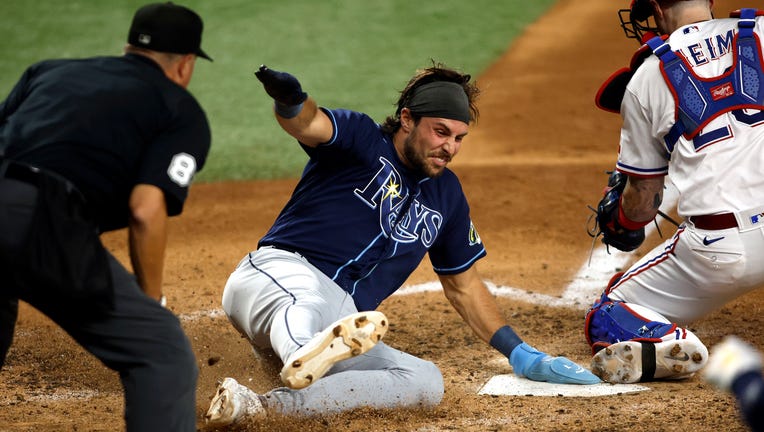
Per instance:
{"type": "Point", "coordinates": [437, 72]}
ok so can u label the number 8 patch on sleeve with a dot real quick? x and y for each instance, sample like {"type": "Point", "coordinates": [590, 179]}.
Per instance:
{"type": "Point", "coordinates": [182, 169]}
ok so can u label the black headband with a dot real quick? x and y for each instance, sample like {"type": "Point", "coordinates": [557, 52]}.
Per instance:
{"type": "Point", "coordinates": [444, 99]}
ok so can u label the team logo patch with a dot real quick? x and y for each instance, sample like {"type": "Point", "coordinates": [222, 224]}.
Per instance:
{"type": "Point", "coordinates": [757, 218]}
{"type": "Point", "coordinates": [691, 29]}
{"type": "Point", "coordinates": [182, 169]}
{"type": "Point", "coordinates": [474, 236]}
{"type": "Point", "coordinates": [722, 91]}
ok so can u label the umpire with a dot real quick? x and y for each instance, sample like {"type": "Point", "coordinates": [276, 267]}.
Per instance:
{"type": "Point", "coordinates": [93, 145]}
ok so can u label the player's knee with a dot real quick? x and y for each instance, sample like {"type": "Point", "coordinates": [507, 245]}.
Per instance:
{"type": "Point", "coordinates": [431, 384]}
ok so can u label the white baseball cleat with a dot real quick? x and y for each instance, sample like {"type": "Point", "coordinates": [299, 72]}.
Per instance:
{"type": "Point", "coordinates": [233, 402]}
{"type": "Point", "coordinates": [632, 361]}
{"type": "Point", "coordinates": [349, 337]}
{"type": "Point", "coordinates": [730, 359]}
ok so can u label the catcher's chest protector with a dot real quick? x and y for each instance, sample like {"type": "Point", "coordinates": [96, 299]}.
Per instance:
{"type": "Point", "coordinates": [700, 100]}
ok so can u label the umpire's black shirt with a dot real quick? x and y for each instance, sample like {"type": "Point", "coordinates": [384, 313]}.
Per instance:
{"type": "Point", "coordinates": [107, 124]}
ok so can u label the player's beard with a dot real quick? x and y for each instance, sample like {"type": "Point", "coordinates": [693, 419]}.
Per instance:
{"type": "Point", "coordinates": [419, 160]}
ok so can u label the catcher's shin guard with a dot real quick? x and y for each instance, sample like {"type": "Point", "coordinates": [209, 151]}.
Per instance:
{"type": "Point", "coordinates": [609, 322]}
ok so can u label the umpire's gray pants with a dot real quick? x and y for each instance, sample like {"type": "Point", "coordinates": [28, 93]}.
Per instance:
{"type": "Point", "coordinates": [142, 341]}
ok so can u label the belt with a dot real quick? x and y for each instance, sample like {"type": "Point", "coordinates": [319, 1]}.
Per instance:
{"type": "Point", "coordinates": [11, 169]}
{"type": "Point", "coordinates": [280, 247]}
{"type": "Point", "coordinates": [715, 221]}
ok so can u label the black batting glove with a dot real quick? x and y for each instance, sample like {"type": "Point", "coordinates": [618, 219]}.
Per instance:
{"type": "Point", "coordinates": [281, 86]}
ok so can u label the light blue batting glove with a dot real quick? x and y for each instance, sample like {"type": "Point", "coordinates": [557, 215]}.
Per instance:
{"type": "Point", "coordinates": [538, 366]}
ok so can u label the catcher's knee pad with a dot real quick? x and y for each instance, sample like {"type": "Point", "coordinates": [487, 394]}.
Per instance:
{"type": "Point", "coordinates": [608, 322]}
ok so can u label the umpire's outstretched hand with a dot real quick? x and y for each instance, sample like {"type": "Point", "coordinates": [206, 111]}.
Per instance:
{"type": "Point", "coordinates": [281, 86]}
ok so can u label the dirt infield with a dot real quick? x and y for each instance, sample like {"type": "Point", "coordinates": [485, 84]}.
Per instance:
{"type": "Point", "coordinates": [535, 160]}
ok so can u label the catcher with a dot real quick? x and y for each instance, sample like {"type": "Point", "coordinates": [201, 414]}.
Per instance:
{"type": "Point", "coordinates": [372, 201]}
{"type": "Point", "coordinates": [691, 103]}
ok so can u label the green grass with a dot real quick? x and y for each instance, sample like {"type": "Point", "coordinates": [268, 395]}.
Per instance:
{"type": "Point", "coordinates": [354, 54]}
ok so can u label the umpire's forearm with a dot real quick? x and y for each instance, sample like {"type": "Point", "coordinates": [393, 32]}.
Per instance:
{"type": "Point", "coordinates": [147, 245]}
{"type": "Point", "coordinates": [148, 238]}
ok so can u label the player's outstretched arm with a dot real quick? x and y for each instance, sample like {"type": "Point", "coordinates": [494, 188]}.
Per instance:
{"type": "Point", "coordinates": [476, 305]}
{"type": "Point", "coordinates": [297, 113]}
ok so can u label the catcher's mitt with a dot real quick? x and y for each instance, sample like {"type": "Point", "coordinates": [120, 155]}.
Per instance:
{"type": "Point", "coordinates": [606, 220]}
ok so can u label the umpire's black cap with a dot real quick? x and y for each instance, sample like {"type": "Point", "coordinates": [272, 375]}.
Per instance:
{"type": "Point", "coordinates": [167, 27]}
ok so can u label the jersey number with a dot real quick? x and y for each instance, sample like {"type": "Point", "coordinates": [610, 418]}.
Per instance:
{"type": "Point", "coordinates": [704, 139]}
{"type": "Point", "coordinates": [182, 169]}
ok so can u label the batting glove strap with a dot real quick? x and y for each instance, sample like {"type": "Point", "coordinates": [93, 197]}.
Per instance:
{"type": "Point", "coordinates": [505, 340]}
{"type": "Point", "coordinates": [538, 366]}
{"type": "Point", "coordinates": [287, 111]}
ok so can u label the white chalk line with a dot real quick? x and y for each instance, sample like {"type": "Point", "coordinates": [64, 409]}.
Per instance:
{"type": "Point", "coordinates": [43, 395]}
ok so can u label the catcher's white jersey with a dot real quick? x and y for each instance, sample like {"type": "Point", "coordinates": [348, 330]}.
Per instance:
{"type": "Point", "coordinates": [720, 170]}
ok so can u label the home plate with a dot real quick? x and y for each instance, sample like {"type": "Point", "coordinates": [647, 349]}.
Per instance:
{"type": "Point", "coordinates": [511, 385]}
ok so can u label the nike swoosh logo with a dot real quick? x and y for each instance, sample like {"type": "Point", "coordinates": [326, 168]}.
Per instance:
{"type": "Point", "coordinates": [707, 241]}
{"type": "Point", "coordinates": [685, 358]}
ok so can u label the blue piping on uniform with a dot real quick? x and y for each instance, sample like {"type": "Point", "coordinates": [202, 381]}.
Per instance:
{"type": "Point", "coordinates": [294, 299]}
{"type": "Point", "coordinates": [334, 126]}
{"type": "Point", "coordinates": [395, 249]}
{"type": "Point", "coordinates": [667, 251]}
{"type": "Point", "coordinates": [636, 170]}
{"type": "Point", "coordinates": [339, 270]}
{"type": "Point", "coordinates": [355, 284]}
{"type": "Point", "coordinates": [465, 265]}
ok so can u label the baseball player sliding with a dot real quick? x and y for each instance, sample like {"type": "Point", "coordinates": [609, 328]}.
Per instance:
{"type": "Point", "coordinates": [692, 111]}
{"type": "Point", "coordinates": [372, 201]}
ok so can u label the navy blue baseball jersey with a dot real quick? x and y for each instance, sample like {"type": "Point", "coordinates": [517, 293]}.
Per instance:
{"type": "Point", "coordinates": [366, 220]}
